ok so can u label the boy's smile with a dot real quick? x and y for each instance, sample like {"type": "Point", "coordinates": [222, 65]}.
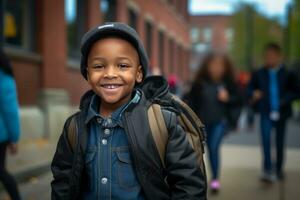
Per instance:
{"type": "Point", "coordinates": [113, 70]}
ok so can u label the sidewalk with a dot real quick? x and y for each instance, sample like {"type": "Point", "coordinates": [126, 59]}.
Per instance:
{"type": "Point", "coordinates": [240, 176]}
{"type": "Point", "coordinates": [33, 158]}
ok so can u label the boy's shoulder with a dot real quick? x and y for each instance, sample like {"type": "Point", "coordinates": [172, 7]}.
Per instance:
{"type": "Point", "coordinates": [72, 117]}
{"type": "Point", "coordinates": [85, 99]}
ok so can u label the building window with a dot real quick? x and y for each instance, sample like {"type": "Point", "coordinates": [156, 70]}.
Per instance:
{"type": "Point", "coordinates": [148, 27]}
{"type": "Point", "coordinates": [161, 50]}
{"type": "Point", "coordinates": [201, 47]}
{"type": "Point", "coordinates": [195, 34]}
{"type": "Point", "coordinates": [229, 34]}
{"type": "Point", "coordinates": [132, 19]}
{"type": "Point", "coordinates": [183, 62]}
{"type": "Point", "coordinates": [76, 26]}
{"type": "Point", "coordinates": [19, 24]}
{"type": "Point", "coordinates": [108, 9]}
{"type": "Point", "coordinates": [171, 56]}
{"type": "Point", "coordinates": [207, 34]}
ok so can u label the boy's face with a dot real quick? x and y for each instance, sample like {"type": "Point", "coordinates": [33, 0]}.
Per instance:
{"type": "Point", "coordinates": [113, 70]}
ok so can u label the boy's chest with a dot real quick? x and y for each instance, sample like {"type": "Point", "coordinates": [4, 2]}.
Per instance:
{"type": "Point", "coordinates": [108, 160]}
{"type": "Point", "coordinates": [107, 135]}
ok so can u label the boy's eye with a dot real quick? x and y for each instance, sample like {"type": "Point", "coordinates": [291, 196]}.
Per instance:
{"type": "Point", "coordinates": [123, 65]}
{"type": "Point", "coordinates": [98, 66]}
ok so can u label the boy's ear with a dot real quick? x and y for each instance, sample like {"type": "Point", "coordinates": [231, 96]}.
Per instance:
{"type": "Point", "coordinates": [139, 75]}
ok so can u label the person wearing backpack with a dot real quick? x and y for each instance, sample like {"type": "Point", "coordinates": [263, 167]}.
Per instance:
{"type": "Point", "coordinates": [108, 149]}
{"type": "Point", "coordinates": [214, 97]}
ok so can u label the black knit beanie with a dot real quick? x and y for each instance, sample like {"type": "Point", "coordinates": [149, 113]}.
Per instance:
{"type": "Point", "coordinates": [119, 30]}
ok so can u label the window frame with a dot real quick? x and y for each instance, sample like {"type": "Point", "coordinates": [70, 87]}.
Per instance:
{"type": "Point", "coordinates": [149, 38]}
{"type": "Point", "coordinates": [28, 29]}
{"type": "Point", "coordinates": [73, 50]}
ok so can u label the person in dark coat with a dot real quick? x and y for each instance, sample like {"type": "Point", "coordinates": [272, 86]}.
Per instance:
{"type": "Point", "coordinates": [214, 98]}
{"type": "Point", "coordinates": [9, 123]}
{"type": "Point", "coordinates": [271, 91]}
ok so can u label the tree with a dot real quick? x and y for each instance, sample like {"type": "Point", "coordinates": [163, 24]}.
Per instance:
{"type": "Point", "coordinates": [251, 31]}
{"type": "Point", "coordinates": [294, 31]}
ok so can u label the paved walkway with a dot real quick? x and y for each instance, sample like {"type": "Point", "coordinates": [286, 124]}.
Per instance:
{"type": "Point", "coordinates": [240, 176]}
{"type": "Point", "coordinates": [241, 161]}
{"type": "Point", "coordinates": [239, 179]}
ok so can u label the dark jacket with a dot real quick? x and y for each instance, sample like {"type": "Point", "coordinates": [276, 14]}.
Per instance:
{"type": "Point", "coordinates": [214, 110]}
{"type": "Point", "coordinates": [182, 178]}
{"type": "Point", "coordinates": [288, 90]}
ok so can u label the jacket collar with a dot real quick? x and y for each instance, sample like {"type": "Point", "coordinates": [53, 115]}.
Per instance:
{"type": "Point", "coordinates": [152, 88]}
{"type": "Point", "coordinates": [92, 108]}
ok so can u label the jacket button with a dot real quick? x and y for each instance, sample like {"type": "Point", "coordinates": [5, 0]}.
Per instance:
{"type": "Point", "coordinates": [104, 180]}
{"type": "Point", "coordinates": [106, 131]}
{"type": "Point", "coordinates": [99, 120]}
{"type": "Point", "coordinates": [104, 142]}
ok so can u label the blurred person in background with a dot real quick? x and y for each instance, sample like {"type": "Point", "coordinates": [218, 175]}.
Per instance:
{"type": "Point", "coordinates": [296, 70]}
{"type": "Point", "coordinates": [271, 90]}
{"type": "Point", "coordinates": [174, 85]}
{"type": "Point", "coordinates": [9, 123]}
{"type": "Point", "coordinates": [212, 96]}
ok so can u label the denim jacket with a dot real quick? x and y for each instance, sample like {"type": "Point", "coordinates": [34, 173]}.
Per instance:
{"type": "Point", "coordinates": [108, 160]}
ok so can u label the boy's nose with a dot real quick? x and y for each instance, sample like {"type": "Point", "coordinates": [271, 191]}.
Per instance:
{"type": "Point", "coordinates": [110, 72]}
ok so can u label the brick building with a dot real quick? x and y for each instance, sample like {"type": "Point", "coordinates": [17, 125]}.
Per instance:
{"type": "Point", "coordinates": [209, 32]}
{"type": "Point", "coordinates": [42, 39]}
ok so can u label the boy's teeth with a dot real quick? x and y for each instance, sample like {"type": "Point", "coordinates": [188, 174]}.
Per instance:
{"type": "Point", "coordinates": [110, 86]}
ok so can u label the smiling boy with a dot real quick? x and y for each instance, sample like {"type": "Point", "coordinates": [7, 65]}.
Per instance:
{"type": "Point", "coordinates": [115, 156]}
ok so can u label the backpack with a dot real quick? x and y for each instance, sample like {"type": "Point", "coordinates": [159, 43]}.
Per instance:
{"type": "Point", "coordinates": [189, 121]}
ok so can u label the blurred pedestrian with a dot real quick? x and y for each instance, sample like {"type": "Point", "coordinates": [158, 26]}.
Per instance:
{"type": "Point", "coordinates": [174, 85]}
{"type": "Point", "coordinates": [213, 94]}
{"type": "Point", "coordinates": [271, 91]}
{"type": "Point", "coordinates": [9, 123]}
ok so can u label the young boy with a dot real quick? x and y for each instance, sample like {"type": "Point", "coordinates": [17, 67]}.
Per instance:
{"type": "Point", "coordinates": [116, 156]}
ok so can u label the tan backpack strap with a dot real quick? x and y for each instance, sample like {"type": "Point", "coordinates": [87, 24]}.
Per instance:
{"type": "Point", "coordinates": [72, 132]}
{"type": "Point", "coordinates": [159, 130]}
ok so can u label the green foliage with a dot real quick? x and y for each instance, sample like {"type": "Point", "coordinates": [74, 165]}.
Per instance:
{"type": "Point", "coordinates": [251, 31]}
{"type": "Point", "coordinates": [294, 31]}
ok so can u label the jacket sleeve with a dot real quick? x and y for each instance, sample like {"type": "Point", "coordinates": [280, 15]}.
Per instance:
{"type": "Point", "coordinates": [61, 168]}
{"type": "Point", "coordinates": [10, 108]}
{"type": "Point", "coordinates": [252, 85]}
{"type": "Point", "coordinates": [185, 178]}
{"type": "Point", "coordinates": [192, 98]}
{"type": "Point", "coordinates": [234, 94]}
{"type": "Point", "coordinates": [293, 89]}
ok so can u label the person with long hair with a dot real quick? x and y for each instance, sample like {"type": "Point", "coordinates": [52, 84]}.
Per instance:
{"type": "Point", "coordinates": [212, 95]}
{"type": "Point", "coordinates": [9, 123]}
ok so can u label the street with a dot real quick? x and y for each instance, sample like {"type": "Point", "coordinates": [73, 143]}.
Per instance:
{"type": "Point", "coordinates": [239, 175]}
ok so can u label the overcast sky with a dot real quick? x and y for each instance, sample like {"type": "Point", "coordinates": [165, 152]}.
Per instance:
{"type": "Point", "coordinates": [273, 8]}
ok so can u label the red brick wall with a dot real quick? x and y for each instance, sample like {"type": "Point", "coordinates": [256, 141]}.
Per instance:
{"type": "Point", "coordinates": [28, 80]}
{"type": "Point", "coordinates": [76, 85]}
{"type": "Point", "coordinates": [53, 46]}
{"type": "Point", "coordinates": [174, 19]}
{"type": "Point", "coordinates": [162, 12]}
{"type": "Point", "coordinates": [53, 72]}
